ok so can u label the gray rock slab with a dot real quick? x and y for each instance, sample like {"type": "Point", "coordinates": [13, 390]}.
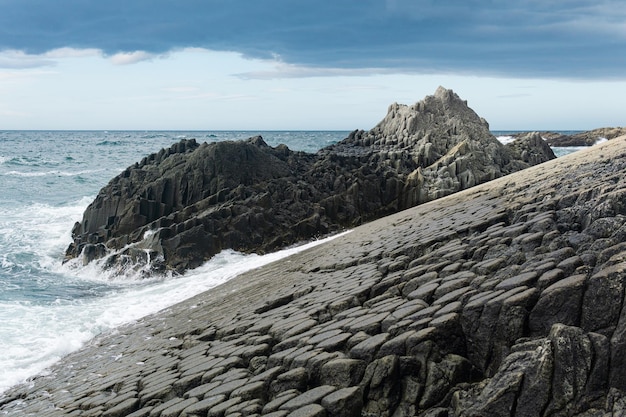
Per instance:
{"type": "Point", "coordinates": [311, 410]}
{"type": "Point", "coordinates": [424, 292]}
{"type": "Point", "coordinates": [279, 400]}
{"type": "Point", "coordinates": [220, 409]}
{"type": "Point", "coordinates": [296, 378]}
{"type": "Point", "coordinates": [176, 409]}
{"type": "Point", "coordinates": [122, 409]}
{"type": "Point", "coordinates": [200, 408]}
{"type": "Point", "coordinates": [245, 408]}
{"type": "Point", "coordinates": [280, 413]}
{"type": "Point", "coordinates": [369, 323]}
{"type": "Point", "coordinates": [201, 390]}
{"type": "Point", "coordinates": [334, 342]}
{"type": "Point", "coordinates": [157, 410]}
{"type": "Point", "coordinates": [251, 390]}
{"type": "Point", "coordinates": [311, 396]}
{"type": "Point", "coordinates": [527, 278]}
{"type": "Point", "coordinates": [226, 388]}
{"type": "Point", "coordinates": [345, 402]}
{"type": "Point", "coordinates": [368, 348]}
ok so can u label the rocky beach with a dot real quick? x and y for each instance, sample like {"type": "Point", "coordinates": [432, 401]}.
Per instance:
{"type": "Point", "coordinates": [502, 299]}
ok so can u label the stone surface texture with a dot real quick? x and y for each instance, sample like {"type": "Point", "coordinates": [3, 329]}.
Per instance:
{"type": "Point", "coordinates": [587, 138]}
{"type": "Point", "coordinates": [502, 300]}
{"type": "Point", "coordinates": [177, 208]}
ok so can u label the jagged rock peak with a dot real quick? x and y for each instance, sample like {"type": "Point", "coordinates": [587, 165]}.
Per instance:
{"type": "Point", "coordinates": [428, 129]}
{"type": "Point", "coordinates": [443, 114]}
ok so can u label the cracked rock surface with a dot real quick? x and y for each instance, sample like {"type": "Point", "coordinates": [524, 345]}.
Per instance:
{"type": "Point", "coordinates": [506, 299]}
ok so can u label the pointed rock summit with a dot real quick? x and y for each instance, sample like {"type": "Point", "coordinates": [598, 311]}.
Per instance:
{"type": "Point", "coordinates": [179, 207]}
{"type": "Point", "coordinates": [444, 145]}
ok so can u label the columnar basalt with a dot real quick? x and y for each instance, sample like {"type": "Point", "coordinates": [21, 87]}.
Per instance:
{"type": "Point", "coordinates": [502, 300]}
{"type": "Point", "coordinates": [177, 208]}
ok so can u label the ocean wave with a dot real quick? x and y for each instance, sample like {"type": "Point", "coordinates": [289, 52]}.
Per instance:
{"type": "Point", "coordinates": [154, 135]}
{"type": "Point", "coordinates": [39, 335]}
{"type": "Point", "coordinates": [53, 173]}
{"type": "Point", "coordinates": [110, 143]}
{"type": "Point", "coordinates": [29, 161]}
{"type": "Point", "coordinates": [505, 139]}
{"type": "Point", "coordinates": [38, 230]}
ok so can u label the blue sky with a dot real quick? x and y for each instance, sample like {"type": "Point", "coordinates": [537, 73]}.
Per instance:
{"type": "Point", "coordinates": [279, 64]}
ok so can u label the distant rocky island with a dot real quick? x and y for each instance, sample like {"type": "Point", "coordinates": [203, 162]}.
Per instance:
{"type": "Point", "coordinates": [178, 207]}
{"type": "Point", "coordinates": [587, 138]}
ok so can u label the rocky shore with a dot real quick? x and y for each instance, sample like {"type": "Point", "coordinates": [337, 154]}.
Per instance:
{"type": "Point", "coordinates": [506, 299]}
{"type": "Point", "coordinates": [179, 207]}
{"type": "Point", "coordinates": [587, 138]}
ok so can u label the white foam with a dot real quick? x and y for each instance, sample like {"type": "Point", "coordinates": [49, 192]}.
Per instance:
{"type": "Point", "coordinates": [601, 140]}
{"type": "Point", "coordinates": [505, 139]}
{"type": "Point", "coordinates": [51, 173]}
{"type": "Point", "coordinates": [40, 229]}
{"type": "Point", "coordinates": [36, 336]}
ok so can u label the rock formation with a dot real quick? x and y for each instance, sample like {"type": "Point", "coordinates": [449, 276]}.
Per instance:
{"type": "Point", "coordinates": [587, 138]}
{"type": "Point", "coordinates": [179, 207]}
{"type": "Point", "coordinates": [531, 148]}
{"type": "Point", "coordinates": [506, 299]}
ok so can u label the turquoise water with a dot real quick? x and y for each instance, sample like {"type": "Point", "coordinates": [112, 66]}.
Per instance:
{"type": "Point", "coordinates": [47, 179]}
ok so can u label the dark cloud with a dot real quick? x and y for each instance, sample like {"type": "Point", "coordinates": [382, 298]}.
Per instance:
{"type": "Point", "coordinates": [570, 38]}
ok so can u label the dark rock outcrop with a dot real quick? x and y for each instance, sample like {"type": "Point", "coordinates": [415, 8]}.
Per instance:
{"type": "Point", "coordinates": [587, 138]}
{"type": "Point", "coordinates": [179, 207]}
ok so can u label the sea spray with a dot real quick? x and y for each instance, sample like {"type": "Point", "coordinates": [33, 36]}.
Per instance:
{"type": "Point", "coordinates": [47, 179]}
{"type": "Point", "coordinates": [45, 333]}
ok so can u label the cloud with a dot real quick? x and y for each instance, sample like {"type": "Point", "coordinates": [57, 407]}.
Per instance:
{"type": "Point", "coordinates": [283, 70]}
{"type": "Point", "coordinates": [62, 53]}
{"type": "Point", "coordinates": [127, 58]}
{"type": "Point", "coordinates": [13, 59]}
{"type": "Point", "coordinates": [523, 38]}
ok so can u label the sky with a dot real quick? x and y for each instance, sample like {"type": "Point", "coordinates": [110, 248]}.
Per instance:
{"type": "Point", "coordinates": [307, 65]}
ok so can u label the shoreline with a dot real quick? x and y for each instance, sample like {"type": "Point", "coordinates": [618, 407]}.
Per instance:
{"type": "Point", "coordinates": [297, 323]}
{"type": "Point", "coordinates": [221, 269]}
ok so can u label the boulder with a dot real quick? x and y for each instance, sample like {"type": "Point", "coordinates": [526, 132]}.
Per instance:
{"type": "Point", "coordinates": [531, 148]}
{"type": "Point", "coordinates": [179, 207]}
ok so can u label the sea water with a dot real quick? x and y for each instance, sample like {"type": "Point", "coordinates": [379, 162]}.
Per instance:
{"type": "Point", "coordinates": [49, 309]}
{"type": "Point", "coordinates": [47, 179]}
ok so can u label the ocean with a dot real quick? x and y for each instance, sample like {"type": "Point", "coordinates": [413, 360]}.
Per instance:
{"type": "Point", "coordinates": [47, 178]}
